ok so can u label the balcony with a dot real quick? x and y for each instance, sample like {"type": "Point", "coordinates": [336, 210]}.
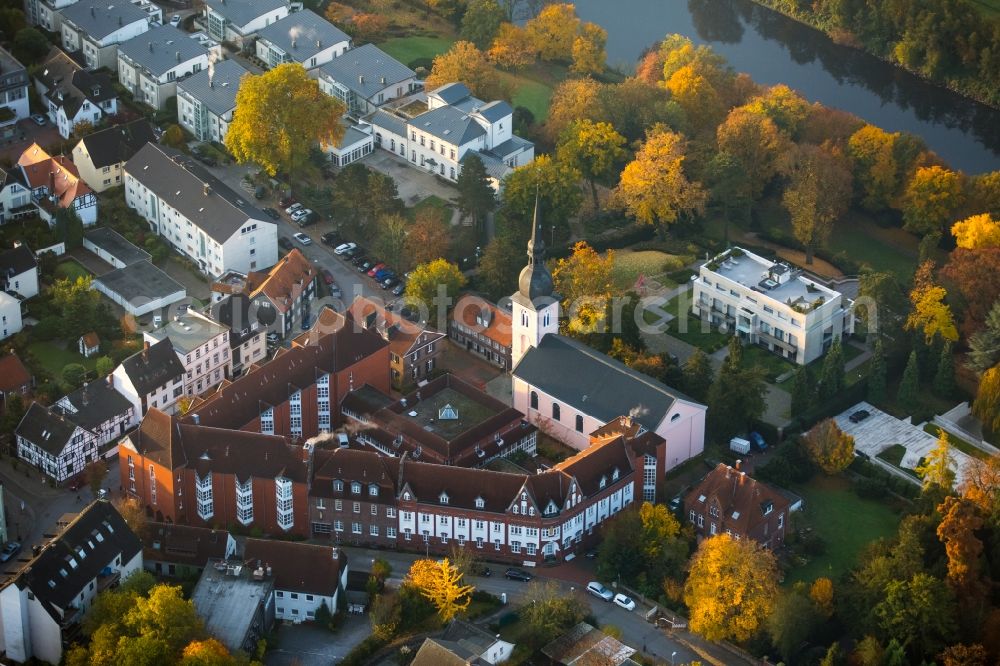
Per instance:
{"type": "Point", "coordinates": [108, 580]}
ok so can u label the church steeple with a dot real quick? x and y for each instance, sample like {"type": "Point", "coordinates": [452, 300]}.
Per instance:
{"type": "Point", "coordinates": [535, 280]}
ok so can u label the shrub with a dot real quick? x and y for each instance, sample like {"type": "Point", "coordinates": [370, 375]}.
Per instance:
{"type": "Point", "coordinates": [363, 651]}
{"type": "Point", "coordinates": [867, 488]}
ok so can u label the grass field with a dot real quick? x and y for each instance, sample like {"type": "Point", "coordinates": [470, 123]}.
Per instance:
{"type": "Point", "coordinates": [686, 326]}
{"type": "Point", "coordinates": [529, 92]}
{"type": "Point", "coordinates": [893, 455]}
{"type": "Point", "coordinates": [773, 365]}
{"type": "Point", "coordinates": [629, 266]}
{"type": "Point", "coordinates": [957, 442]}
{"type": "Point", "coordinates": [844, 521]}
{"type": "Point", "coordinates": [988, 7]}
{"type": "Point", "coordinates": [70, 269]}
{"type": "Point", "coordinates": [432, 202]}
{"type": "Point", "coordinates": [408, 49]}
{"type": "Point", "coordinates": [53, 358]}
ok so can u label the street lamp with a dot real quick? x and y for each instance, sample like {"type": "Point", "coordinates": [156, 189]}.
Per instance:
{"type": "Point", "coordinates": [672, 655]}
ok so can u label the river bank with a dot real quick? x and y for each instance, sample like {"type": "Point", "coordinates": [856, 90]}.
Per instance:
{"type": "Point", "coordinates": [959, 87]}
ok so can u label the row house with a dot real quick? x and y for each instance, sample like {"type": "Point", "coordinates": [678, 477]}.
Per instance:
{"type": "Point", "coordinates": [100, 156]}
{"type": "Point", "coordinates": [482, 328]}
{"type": "Point", "coordinates": [97, 30]}
{"type": "Point", "coordinates": [152, 378]}
{"type": "Point", "coordinates": [297, 394]}
{"type": "Point", "coordinates": [414, 348]}
{"type": "Point", "coordinates": [180, 550]}
{"type": "Point", "coordinates": [201, 345]}
{"type": "Point", "coordinates": [306, 576]}
{"type": "Point", "coordinates": [352, 497]}
{"type": "Point", "coordinates": [72, 95]}
{"type": "Point", "coordinates": [204, 219]}
{"type": "Point", "coordinates": [56, 184]}
{"type": "Point", "coordinates": [283, 295]}
{"type": "Point", "coordinates": [80, 428]}
{"type": "Point", "coordinates": [206, 100]}
{"type": "Point", "coordinates": [43, 604]}
{"type": "Point", "coordinates": [446, 421]}
{"type": "Point", "coordinates": [192, 474]}
{"type": "Point", "coordinates": [302, 37]}
{"type": "Point", "coordinates": [46, 13]}
{"type": "Point", "coordinates": [13, 88]}
{"type": "Point", "coordinates": [246, 333]}
{"type": "Point", "coordinates": [150, 64]}
{"type": "Point", "coordinates": [366, 79]}
{"type": "Point", "coordinates": [239, 21]}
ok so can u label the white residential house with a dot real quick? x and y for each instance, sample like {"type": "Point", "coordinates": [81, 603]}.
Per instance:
{"type": "Point", "coordinates": [151, 64]}
{"type": "Point", "coordinates": [13, 89]}
{"type": "Point", "coordinates": [19, 271]}
{"type": "Point", "coordinates": [200, 216]}
{"type": "Point", "coordinates": [303, 37]}
{"type": "Point", "coordinates": [306, 576]}
{"type": "Point", "coordinates": [238, 21]}
{"type": "Point", "coordinates": [152, 378]}
{"type": "Point", "coordinates": [202, 347]}
{"type": "Point", "coordinates": [43, 603]}
{"type": "Point", "coordinates": [79, 429]}
{"type": "Point", "coordinates": [46, 13]}
{"type": "Point", "coordinates": [455, 126]}
{"type": "Point", "coordinates": [97, 30]}
{"type": "Point", "coordinates": [206, 100]}
{"type": "Point", "coordinates": [72, 95]}
{"type": "Point", "coordinates": [15, 196]}
{"type": "Point", "coordinates": [771, 304]}
{"type": "Point", "coordinates": [10, 315]}
{"type": "Point", "coordinates": [366, 79]}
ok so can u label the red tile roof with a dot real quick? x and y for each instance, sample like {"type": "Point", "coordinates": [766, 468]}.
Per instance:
{"type": "Point", "coordinates": [468, 312]}
{"type": "Point", "coordinates": [402, 334]}
{"type": "Point", "coordinates": [285, 282]}
{"type": "Point", "coordinates": [13, 373]}
{"type": "Point", "coordinates": [58, 174]}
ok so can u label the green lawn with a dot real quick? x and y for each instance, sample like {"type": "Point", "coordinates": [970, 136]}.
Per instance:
{"type": "Point", "coordinates": [845, 522]}
{"type": "Point", "coordinates": [773, 365]}
{"type": "Point", "coordinates": [989, 8]}
{"type": "Point", "coordinates": [531, 93]}
{"type": "Point", "coordinates": [686, 326]}
{"type": "Point", "coordinates": [52, 357]}
{"type": "Point", "coordinates": [433, 203]}
{"type": "Point", "coordinates": [71, 270]}
{"type": "Point", "coordinates": [893, 455]}
{"type": "Point", "coordinates": [408, 49]}
{"type": "Point", "coordinates": [629, 266]}
{"type": "Point", "coordinates": [958, 442]}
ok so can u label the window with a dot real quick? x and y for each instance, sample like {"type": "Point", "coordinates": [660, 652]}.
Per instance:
{"type": "Point", "coordinates": [390, 532]}
{"type": "Point", "coordinates": [579, 423]}
{"type": "Point", "coordinates": [338, 505]}
{"type": "Point", "coordinates": [373, 530]}
{"type": "Point", "coordinates": [480, 503]}
{"type": "Point", "coordinates": [356, 528]}
{"type": "Point", "coordinates": [534, 400]}
{"type": "Point", "coordinates": [555, 411]}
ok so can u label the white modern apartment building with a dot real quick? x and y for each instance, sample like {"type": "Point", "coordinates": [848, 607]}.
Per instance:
{"type": "Point", "coordinates": [303, 37]}
{"type": "Point", "coordinates": [238, 21]}
{"type": "Point", "coordinates": [150, 64]}
{"type": "Point", "coordinates": [206, 101]}
{"type": "Point", "coordinates": [202, 346]}
{"type": "Point", "coordinates": [199, 215]}
{"type": "Point", "coordinates": [97, 31]}
{"type": "Point", "coordinates": [771, 304]}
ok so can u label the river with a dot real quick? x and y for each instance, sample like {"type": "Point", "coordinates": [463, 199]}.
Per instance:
{"type": "Point", "coordinates": [772, 48]}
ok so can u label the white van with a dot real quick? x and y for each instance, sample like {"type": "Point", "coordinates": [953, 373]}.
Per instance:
{"type": "Point", "coordinates": [739, 445]}
{"type": "Point", "coordinates": [157, 321]}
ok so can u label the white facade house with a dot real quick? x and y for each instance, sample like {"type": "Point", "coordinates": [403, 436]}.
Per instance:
{"type": "Point", "coordinates": [97, 31]}
{"type": "Point", "coordinates": [10, 315]}
{"type": "Point", "coordinates": [200, 216]}
{"type": "Point", "coordinates": [303, 37]}
{"type": "Point", "coordinates": [71, 94]}
{"type": "Point", "coordinates": [366, 79]}
{"type": "Point", "coordinates": [239, 21]}
{"type": "Point", "coordinates": [771, 304]}
{"type": "Point", "coordinates": [152, 378]}
{"type": "Point", "coordinates": [42, 605]}
{"type": "Point", "coordinates": [202, 347]}
{"type": "Point", "coordinates": [455, 126]}
{"type": "Point", "coordinates": [19, 271]}
{"type": "Point", "coordinates": [206, 100]}
{"type": "Point", "coordinates": [13, 88]}
{"type": "Point", "coordinates": [46, 13]}
{"type": "Point", "coordinates": [305, 576]}
{"type": "Point", "coordinates": [151, 64]}
{"type": "Point", "coordinates": [15, 196]}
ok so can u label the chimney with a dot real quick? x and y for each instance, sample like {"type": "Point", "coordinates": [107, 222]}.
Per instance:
{"type": "Point", "coordinates": [151, 47]}
{"type": "Point", "coordinates": [382, 80]}
{"type": "Point", "coordinates": [145, 351]}
{"type": "Point", "coordinates": [92, 10]}
{"type": "Point", "coordinates": [319, 43]}
{"type": "Point", "coordinates": [83, 397]}
{"type": "Point", "coordinates": [196, 419]}
{"type": "Point", "coordinates": [177, 54]}
{"type": "Point", "coordinates": [743, 476]}
{"type": "Point", "coordinates": [361, 78]}
{"type": "Point", "coordinates": [294, 43]}
{"type": "Point", "coordinates": [738, 461]}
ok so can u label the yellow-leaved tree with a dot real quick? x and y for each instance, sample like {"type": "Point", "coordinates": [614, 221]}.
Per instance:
{"type": "Point", "coordinates": [936, 469]}
{"type": "Point", "coordinates": [594, 149]}
{"type": "Point", "coordinates": [731, 588]}
{"type": "Point", "coordinates": [512, 48]}
{"type": "Point", "coordinates": [589, 54]}
{"type": "Point", "coordinates": [441, 583]}
{"type": "Point", "coordinates": [930, 313]}
{"type": "Point", "coordinates": [829, 447]}
{"type": "Point", "coordinates": [279, 115]}
{"type": "Point", "coordinates": [466, 63]}
{"type": "Point", "coordinates": [654, 188]}
{"type": "Point", "coordinates": [986, 406]}
{"type": "Point", "coordinates": [584, 280]}
{"type": "Point", "coordinates": [553, 31]}
{"type": "Point", "coordinates": [977, 232]}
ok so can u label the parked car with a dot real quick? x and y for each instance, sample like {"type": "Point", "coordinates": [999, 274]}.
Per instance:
{"type": "Point", "coordinates": [175, 20]}
{"type": "Point", "coordinates": [286, 200]}
{"type": "Point", "coordinates": [859, 416]}
{"type": "Point", "coordinates": [39, 119]}
{"type": "Point", "coordinates": [625, 602]}
{"type": "Point", "coordinates": [399, 289]}
{"type": "Point", "coordinates": [341, 249]}
{"type": "Point", "coordinates": [384, 274]}
{"type": "Point", "coordinates": [327, 276]}
{"type": "Point", "coordinates": [285, 244]}
{"type": "Point", "coordinates": [300, 215]}
{"type": "Point", "coordinates": [259, 192]}
{"type": "Point", "coordinates": [291, 209]}
{"type": "Point", "coordinates": [518, 574]}
{"type": "Point", "coordinates": [389, 283]}
{"type": "Point", "coordinates": [758, 440]}
{"type": "Point", "coordinates": [371, 272]}
{"type": "Point", "coordinates": [359, 259]}
{"type": "Point", "coordinates": [335, 292]}
{"type": "Point", "coordinates": [331, 238]}
{"type": "Point", "coordinates": [356, 251]}
{"type": "Point", "coordinates": [273, 337]}
{"type": "Point", "coordinates": [365, 265]}
{"type": "Point", "coordinates": [271, 213]}
{"type": "Point", "coordinates": [302, 238]}
{"type": "Point", "coordinates": [9, 551]}
{"type": "Point", "coordinates": [599, 591]}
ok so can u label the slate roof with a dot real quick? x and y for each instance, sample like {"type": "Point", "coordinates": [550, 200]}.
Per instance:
{"type": "Point", "coordinates": [184, 544]}
{"type": "Point", "coordinates": [495, 111]}
{"type": "Point", "coordinates": [152, 368]}
{"type": "Point", "coordinates": [298, 567]}
{"type": "Point", "coordinates": [98, 21]}
{"type": "Point", "coordinates": [13, 373]}
{"type": "Point", "coordinates": [141, 283]}
{"type": "Point", "coordinates": [308, 28]}
{"type": "Point", "coordinates": [217, 209]}
{"type": "Point", "coordinates": [67, 83]}
{"type": "Point", "coordinates": [161, 49]}
{"type": "Point", "coordinates": [452, 93]}
{"type": "Point", "coordinates": [50, 428]}
{"type": "Point", "coordinates": [220, 96]}
{"type": "Point", "coordinates": [116, 245]}
{"type": "Point", "coordinates": [495, 167]}
{"type": "Point", "coordinates": [17, 260]}
{"type": "Point", "coordinates": [512, 145]}
{"type": "Point", "coordinates": [233, 311]}
{"type": "Point", "coordinates": [388, 122]}
{"type": "Point", "coordinates": [241, 12]}
{"type": "Point", "coordinates": [449, 124]}
{"type": "Point", "coordinates": [117, 144]}
{"type": "Point", "coordinates": [58, 574]}
{"type": "Point", "coordinates": [594, 383]}
{"type": "Point", "coordinates": [45, 429]}
{"type": "Point", "coordinates": [366, 70]}
{"type": "Point", "coordinates": [469, 636]}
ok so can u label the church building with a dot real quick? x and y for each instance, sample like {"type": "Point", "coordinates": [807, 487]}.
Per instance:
{"type": "Point", "coordinates": [569, 390]}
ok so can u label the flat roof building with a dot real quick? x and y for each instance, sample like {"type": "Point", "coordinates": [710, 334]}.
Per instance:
{"type": "Point", "coordinates": [140, 288]}
{"type": "Point", "coordinates": [236, 604]}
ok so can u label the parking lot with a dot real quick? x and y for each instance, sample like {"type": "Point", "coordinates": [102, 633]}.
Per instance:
{"type": "Point", "coordinates": [879, 431]}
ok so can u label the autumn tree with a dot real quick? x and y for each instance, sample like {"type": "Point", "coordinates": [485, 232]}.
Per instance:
{"type": "Point", "coordinates": [960, 521]}
{"type": "Point", "coordinates": [208, 652]}
{"type": "Point", "coordinates": [572, 100]}
{"type": "Point", "coordinates": [933, 196]}
{"type": "Point", "coordinates": [554, 182]}
{"type": "Point", "coordinates": [369, 27]}
{"type": "Point", "coordinates": [986, 406]}
{"type": "Point", "coordinates": [976, 232]}
{"type": "Point", "coordinates": [586, 284]}
{"type": "Point", "coordinates": [984, 344]}
{"type": "Point", "coordinates": [784, 106]}
{"type": "Point", "coordinates": [918, 611]}
{"type": "Point", "coordinates": [553, 31]}
{"type": "Point", "coordinates": [821, 594]}
{"type": "Point", "coordinates": [279, 116]}
{"type": "Point", "coordinates": [134, 515]}
{"type": "Point", "coordinates": [428, 238]}
{"type": "Point", "coordinates": [476, 196]}
{"type": "Point", "coordinates": [589, 54]}
{"type": "Point", "coordinates": [654, 187]}
{"type": "Point", "coordinates": [698, 374]}
{"type": "Point", "coordinates": [694, 93]}
{"type": "Point", "coordinates": [481, 22]}
{"type": "Point", "coordinates": [930, 314]}
{"type": "Point", "coordinates": [441, 583]}
{"type": "Point", "coordinates": [512, 48]}
{"type": "Point", "coordinates": [94, 474]}
{"type": "Point", "coordinates": [936, 468]}
{"type": "Point", "coordinates": [817, 194]}
{"type": "Point", "coordinates": [829, 447]}
{"type": "Point", "coordinates": [385, 614]}
{"type": "Point", "coordinates": [964, 655]}
{"type": "Point", "coordinates": [633, 105]}
{"type": "Point", "coordinates": [872, 151]}
{"type": "Point", "coordinates": [731, 588]}
{"type": "Point", "coordinates": [981, 486]}
{"type": "Point", "coordinates": [389, 242]}
{"type": "Point", "coordinates": [466, 63]}
{"type": "Point", "coordinates": [974, 275]}
{"type": "Point", "coordinates": [548, 611]}
{"type": "Point", "coordinates": [433, 287]}
{"type": "Point", "coordinates": [755, 143]}
{"type": "Point", "coordinates": [593, 149]}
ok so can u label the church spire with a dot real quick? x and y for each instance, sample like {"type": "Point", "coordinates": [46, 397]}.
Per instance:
{"type": "Point", "coordinates": [535, 280]}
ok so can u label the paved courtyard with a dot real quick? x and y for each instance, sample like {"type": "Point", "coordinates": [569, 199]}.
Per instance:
{"type": "Point", "coordinates": [880, 431]}
{"type": "Point", "coordinates": [414, 184]}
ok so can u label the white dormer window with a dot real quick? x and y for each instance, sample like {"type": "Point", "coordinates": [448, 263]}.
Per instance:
{"type": "Point", "coordinates": [604, 482]}
{"type": "Point", "coordinates": [338, 486]}
{"type": "Point", "coordinates": [480, 503]}
{"type": "Point", "coordinates": [443, 498]}
{"type": "Point", "coordinates": [515, 509]}
{"type": "Point", "coordinates": [356, 488]}
{"type": "Point", "coordinates": [406, 496]}
{"type": "Point", "coordinates": [373, 490]}
{"type": "Point", "coordinates": [614, 474]}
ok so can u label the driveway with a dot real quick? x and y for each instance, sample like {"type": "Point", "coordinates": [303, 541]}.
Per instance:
{"type": "Point", "coordinates": [880, 431]}
{"type": "Point", "coordinates": [311, 644]}
{"type": "Point", "coordinates": [414, 184]}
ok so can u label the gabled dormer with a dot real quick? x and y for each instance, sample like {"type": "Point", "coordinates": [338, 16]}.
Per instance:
{"type": "Point", "coordinates": [480, 502]}
{"type": "Point", "coordinates": [443, 498]}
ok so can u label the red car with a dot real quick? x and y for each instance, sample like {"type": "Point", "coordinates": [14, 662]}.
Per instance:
{"type": "Point", "coordinates": [375, 269]}
{"type": "Point", "coordinates": [327, 276]}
